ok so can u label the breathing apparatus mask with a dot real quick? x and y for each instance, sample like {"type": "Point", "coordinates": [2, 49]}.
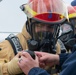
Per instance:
{"type": "Point", "coordinates": [44, 19]}
{"type": "Point", "coordinates": [43, 37]}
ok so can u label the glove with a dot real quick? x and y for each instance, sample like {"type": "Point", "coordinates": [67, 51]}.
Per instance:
{"type": "Point", "coordinates": [13, 67]}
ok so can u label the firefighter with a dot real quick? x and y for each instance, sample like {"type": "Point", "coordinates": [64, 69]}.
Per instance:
{"type": "Point", "coordinates": [39, 33]}
{"type": "Point", "coordinates": [71, 36]}
{"type": "Point", "coordinates": [66, 60]}
{"type": "Point", "coordinates": [69, 29]}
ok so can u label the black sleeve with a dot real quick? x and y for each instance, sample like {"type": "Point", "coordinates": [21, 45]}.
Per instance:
{"type": "Point", "coordinates": [69, 66]}
{"type": "Point", "coordinates": [37, 71]}
{"type": "Point", "coordinates": [63, 57]}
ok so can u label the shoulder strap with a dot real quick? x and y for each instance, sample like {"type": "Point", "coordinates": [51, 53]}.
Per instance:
{"type": "Point", "coordinates": [14, 41]}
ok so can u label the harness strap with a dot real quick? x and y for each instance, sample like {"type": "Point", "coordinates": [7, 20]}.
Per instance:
{"type": "Point", "coordinates": [14, 41]}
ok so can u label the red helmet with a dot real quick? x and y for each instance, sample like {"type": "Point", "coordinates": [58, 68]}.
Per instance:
{"type": "Point", "coordinates": [48, 11]}
{"type": "Point", "coordinates": [72, 11]}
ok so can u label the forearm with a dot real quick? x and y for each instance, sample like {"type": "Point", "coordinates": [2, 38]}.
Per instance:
{"type": "Point", "coordinates": [63, 57]}
{"type": "Point", "coordinates": [37, 71]}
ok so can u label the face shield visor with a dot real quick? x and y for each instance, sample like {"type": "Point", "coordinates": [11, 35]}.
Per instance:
{"type": "Point", "coordinates": [42, 31]}
{"type": "Point", "coordinates": [47, 11]}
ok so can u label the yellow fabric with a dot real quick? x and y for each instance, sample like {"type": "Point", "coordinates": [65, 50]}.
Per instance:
{"type": "Point", "coordinates": [13, 67]}
{"type": "Point", "coordinates": [58, 51]}
{"type": "Point", "coordinates": [1, 69]}
{"type": "Point", "coordinates": [7, 54]}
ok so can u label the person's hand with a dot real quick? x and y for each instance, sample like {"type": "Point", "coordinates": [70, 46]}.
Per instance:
{"type": "Point", "coordinates": [47, 59]}
{"type": "Point", "coordinates": [26, 62]}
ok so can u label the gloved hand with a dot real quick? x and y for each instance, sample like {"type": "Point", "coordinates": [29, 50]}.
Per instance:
{"type": "Point", "coordinates": [13, 67]}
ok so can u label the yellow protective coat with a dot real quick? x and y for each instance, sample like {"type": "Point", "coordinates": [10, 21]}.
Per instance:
{"type": "Point", "coordinates": [7, 52]}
